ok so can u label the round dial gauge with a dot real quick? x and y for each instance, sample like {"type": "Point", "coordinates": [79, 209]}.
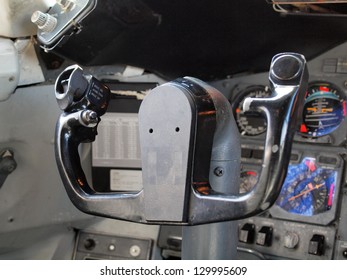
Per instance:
{"type": "Point", "coordinates": [308, 189]}
{"type": "Point", "coordinates": [248, 180]}
{"type": "Point", "coordinates": [324, 110]}
{"type": "Point", "coordinates": [250, 123]}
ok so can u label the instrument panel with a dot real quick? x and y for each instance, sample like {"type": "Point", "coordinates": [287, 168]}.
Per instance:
{"type": "Point", "coordinates": [304, 221]}
{"type": "Point", "coordinates": [311, 188]}
{"type": "Point", "coordinates": [308, 190]}
{"type": "Point", "coordinates": [323, 113]}
{"type": "Point", "coordinates": [307, 213]}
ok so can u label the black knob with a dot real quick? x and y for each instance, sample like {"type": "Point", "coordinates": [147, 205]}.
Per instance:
{"type": "Point", "coordinates": [291, 240]}
{"type": "Point", "coordinates": [286, 67]}
{"type": "Point", "coordinates": [264, 237]}
{"type": "Point", "coordinates": [316, 246]}
{"type": "Point", "coordinates": [89, 244]}
{"type": "Point", "coordinates": [247, 233]}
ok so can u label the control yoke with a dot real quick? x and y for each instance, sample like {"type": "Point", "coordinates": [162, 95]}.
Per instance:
{"type": "Point", "coordinates": [190, 147]}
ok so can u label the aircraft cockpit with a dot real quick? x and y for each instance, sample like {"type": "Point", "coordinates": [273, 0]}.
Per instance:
{"type": "Point", "coordinates": [165, 130]}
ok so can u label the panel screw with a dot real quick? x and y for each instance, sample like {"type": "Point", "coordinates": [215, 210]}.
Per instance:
{"type": "Point", "coordinates": [219, 171]}
{"type": "Point", "coordinates": [344, 254]}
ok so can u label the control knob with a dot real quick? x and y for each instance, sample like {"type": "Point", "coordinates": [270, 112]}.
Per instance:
{"type": "Point", "coordinates": [291, 240]}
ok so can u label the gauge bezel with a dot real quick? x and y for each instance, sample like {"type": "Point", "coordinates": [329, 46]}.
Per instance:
{"type": "Point", "coordinates": [323, 218]}
{"type": "Point", "coordinates": [339, 93]}
{"type": "Point", "coordinates": [236, 103]}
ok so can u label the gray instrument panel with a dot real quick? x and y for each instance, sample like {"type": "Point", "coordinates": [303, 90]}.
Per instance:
{"type": "Point", "coordinates": [307, 220]}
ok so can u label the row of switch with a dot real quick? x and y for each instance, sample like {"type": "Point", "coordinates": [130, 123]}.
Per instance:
{"type": "Point", "coordinates": [290, 241]}
{"type": "Point", "coordinates": [264, 236]}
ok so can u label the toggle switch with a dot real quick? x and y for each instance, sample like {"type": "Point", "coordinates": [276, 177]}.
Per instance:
{"type": "Point", "coordinates": [316, 246]}
{"type": "Point", "coordinates": [247, 233]}
{"type": "Point", "coordinates": [264, 237]}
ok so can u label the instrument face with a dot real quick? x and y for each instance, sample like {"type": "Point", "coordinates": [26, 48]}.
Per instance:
{"type": "Point", "coordinates": [248, 180]}
{"type": "Point", "coordinates": [308, 189]}
{"type": "Point", "coordinates": [250, 123]}
{"type": "Point", "coordinates": [324, 110]}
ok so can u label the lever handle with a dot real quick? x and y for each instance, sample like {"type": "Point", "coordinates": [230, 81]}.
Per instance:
{"type": "Point", "coordinates": [288, 78]}
{"type": "Point", "coordinates": [84, 100]}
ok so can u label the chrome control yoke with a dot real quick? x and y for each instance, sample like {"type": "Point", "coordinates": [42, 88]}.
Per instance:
{"type": "Point", "coordinates": [187, 135]}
